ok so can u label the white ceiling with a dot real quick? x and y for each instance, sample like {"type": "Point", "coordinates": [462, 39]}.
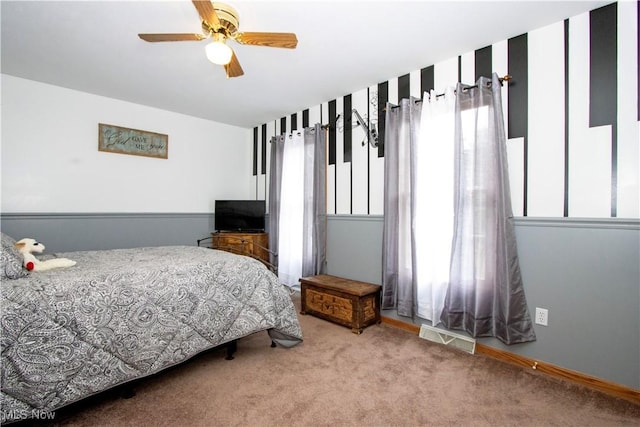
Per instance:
{"type": "Point", "coordinates": [343, 46]}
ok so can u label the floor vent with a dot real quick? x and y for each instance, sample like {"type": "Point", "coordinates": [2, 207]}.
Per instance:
{"type": "Point", "coordinates": [448, 338]}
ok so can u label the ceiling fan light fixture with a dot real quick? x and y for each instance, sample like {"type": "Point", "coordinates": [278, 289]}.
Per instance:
{"type": "Point", "coordinates": [218, 52]}
{"type": "Point", "coordinates": [219, 22]}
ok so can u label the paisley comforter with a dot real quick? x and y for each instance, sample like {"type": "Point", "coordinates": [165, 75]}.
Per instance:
{"type": "Point", "coordinates": [123, 314]}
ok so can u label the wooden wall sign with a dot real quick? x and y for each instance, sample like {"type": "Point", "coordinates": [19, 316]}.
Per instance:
{"type": "Point", "coordinates": [116, 139]}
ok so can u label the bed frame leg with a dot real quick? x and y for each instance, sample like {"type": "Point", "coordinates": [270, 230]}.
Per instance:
{"type": "Point", "coordinates": [273, 344]}
{"type": "Point", "coordinates": [127, 392]}
{"type": "Point", "coordinates": [231, 347]}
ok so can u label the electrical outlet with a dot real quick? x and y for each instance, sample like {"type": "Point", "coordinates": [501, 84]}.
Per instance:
{"type": "Point", "coordinates": [542, 316]}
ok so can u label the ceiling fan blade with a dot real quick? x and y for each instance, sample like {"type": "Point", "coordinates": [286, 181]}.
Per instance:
{"type": "Point", "coordinates": [207, 13]}
{"type": "Point", "coordinates": [233, 68]}
{"type": "Point", "coordinates": [286, 40]}
{"type": "Point", "coordinates": [179, 37]}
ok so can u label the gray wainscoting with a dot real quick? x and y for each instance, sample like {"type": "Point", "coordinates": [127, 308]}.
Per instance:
{"type": "Point", "coordinates": [584, 271]}
{"type": "Point", "coordinates": [64, 232]}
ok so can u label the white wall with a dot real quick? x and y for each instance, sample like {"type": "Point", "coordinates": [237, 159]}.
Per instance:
{"type": "Point", "coordinates": [51, 163]}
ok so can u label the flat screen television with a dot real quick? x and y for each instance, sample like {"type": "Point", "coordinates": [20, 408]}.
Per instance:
{"type": "Point", "coordinates": [240, 215]}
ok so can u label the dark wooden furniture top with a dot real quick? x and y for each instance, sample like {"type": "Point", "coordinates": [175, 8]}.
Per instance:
{"type": "Point", "coordinates": [348, 286]}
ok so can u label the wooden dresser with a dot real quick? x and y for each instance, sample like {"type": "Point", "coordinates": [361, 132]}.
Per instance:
{"type": "Point", "coordinates": [343, 301]}
{"type": "Point", "coordinates": [255, 245]}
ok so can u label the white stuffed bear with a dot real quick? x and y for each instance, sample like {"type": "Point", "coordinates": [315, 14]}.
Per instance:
{"type": "Point", "coordinates": [27, 246]}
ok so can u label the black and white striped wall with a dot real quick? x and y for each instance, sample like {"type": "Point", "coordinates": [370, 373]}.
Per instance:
{"type": "Point", "coordinates": [572, 115]}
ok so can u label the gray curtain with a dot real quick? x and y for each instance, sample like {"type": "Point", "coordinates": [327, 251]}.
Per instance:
{"type": "Point", "coordinates": [482, 292]}
{"type": "Point", "coordinates": [398, 283]}
{"type": "Point", "coordinates": [314, 260]}
{"type": "Point", "coordinates": [314, 215]}
{"type": "Point", "coordinates": [485, 296]}
{"type": "Point", "coordinates": [275, 183]}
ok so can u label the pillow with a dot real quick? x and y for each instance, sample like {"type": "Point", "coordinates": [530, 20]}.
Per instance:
{"type": "Point", "coordinates": [10, 260]}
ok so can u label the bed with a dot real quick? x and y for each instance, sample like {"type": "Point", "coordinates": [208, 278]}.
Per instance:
{"type": "Point", "coordinates": [120, 315]}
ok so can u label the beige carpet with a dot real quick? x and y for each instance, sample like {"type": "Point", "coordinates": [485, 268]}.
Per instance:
{"type": "Point", "coordinates": [384, 377]}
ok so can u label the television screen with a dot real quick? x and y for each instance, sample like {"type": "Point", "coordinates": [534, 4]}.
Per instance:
{"type": "Point", "coordinates": [240, 215]}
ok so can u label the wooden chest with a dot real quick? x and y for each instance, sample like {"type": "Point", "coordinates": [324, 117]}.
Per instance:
{"type": "Point", "coordinates": [343, 301]}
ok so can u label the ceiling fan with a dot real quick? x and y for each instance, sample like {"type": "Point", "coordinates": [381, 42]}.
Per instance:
{"type": "Point", "coordinates": [220, 23]}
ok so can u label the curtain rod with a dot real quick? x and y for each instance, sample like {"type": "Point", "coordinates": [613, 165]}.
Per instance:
{"type": "Point", "coordinates": [505, 78]}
